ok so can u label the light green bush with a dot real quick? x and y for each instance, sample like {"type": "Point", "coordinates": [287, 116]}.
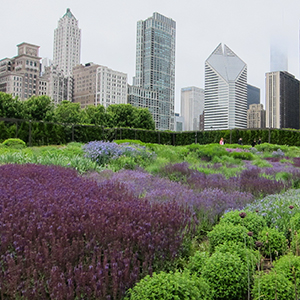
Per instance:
{"type": "Point", "coordinates": [14, 143]}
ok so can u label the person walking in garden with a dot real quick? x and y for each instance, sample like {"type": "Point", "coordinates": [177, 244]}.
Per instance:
{"type": "Point", "coordinates": [259, 141]}
{"type": "Point", "coordinates": [221, 141]}
{"type": "Point", "coordinates": [240, 141]}
{"type": "Point", "coordinates": [253, 143]}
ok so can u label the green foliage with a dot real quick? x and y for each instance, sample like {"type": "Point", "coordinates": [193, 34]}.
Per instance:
{"type": "Point", "coordinates": [38, 108]}
{"type": "Point", "coordinates": [226, 275]}
{"type": "Point", "coordinates": [197, 262]}
{"type": "Point", "coordinates": [273, 285]}
{"type": "Point", "coordinates": [274, 242]}
{"type": "Point", "coordinates": [14, 143]}
{"type": "Point", "coordinates": [242, 155]}
{"type": "Point", "coordinates": [67, 112]}
{"type": "Point", "coordinates": [170, 286]}
{"type": "Point", "coordinates": [226, 232]}
{"type": "Point", "coordinates": [10, 107]}
{"type": "Point", "coordinates": [253, 222]}
{"type": "Point", "coordinates": [92, 114]}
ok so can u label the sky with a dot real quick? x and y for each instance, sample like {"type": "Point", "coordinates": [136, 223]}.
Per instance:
{"type": "Point", "coordinates": [108, 30]}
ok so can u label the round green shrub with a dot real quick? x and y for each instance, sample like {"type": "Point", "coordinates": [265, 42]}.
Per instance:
{"type": "Point", "coordinates": [273, 285]}
{"type": "Point", "coordinates": [14, 143]}
{"type": "Point", "coordinates": [226, 232]}
{"type": "Point", "coordinates": [289, 266]}
{"type": "Point", "coordinates": [227, 276]}
{"type": "Point", "coordinates": [248, 256]}
{"type": "Point", "coordinates": [170, 286]}
{"type": "Point", "coordinates": [274, 242]}
{"type": "Point", "coordinates": [253, 222]}
{"type": "Point", "coordinates": [197, 262]}
{"type": "Point", "coordinates": [295, 222]}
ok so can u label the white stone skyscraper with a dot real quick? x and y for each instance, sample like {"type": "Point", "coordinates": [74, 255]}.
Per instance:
{"type": "Point", "coordinates": [67, 43]}
{"type": "Point", "coordinates": [155, 65]}
{"type": "Point", "coordinates": [225, 104]}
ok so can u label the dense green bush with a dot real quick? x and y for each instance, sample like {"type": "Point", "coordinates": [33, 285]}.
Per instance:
{"type": "Point", "coordinates": [197, 262]}
{"type": "Point", "coordinates": [170, 286]}
{"type": "Point", "coordinates": [253, 222]}
{"type": "Point", "coordinates": [274, 242]}
{"type": "Point", "coordinates": [226, 232]}
{"type": "Point", "coordinates": [273, 285]}
{"type": "Point", "coordinates": [227, 276]}
{"type": "Point", "coordinates": [14, 143]}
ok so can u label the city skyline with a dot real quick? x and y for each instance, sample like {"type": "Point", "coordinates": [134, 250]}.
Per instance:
{"type": "Point", "coordinates": [109, 33]}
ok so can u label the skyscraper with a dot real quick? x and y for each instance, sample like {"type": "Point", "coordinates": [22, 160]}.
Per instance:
{"type": "Point", "coordinates": [253, 95]}
{"type": "Point", "coordinates": [225, 104]}
{"type": "Point", "coordinates": [155, 64]}
{"type": "Point", "coordinates": [192, 106]}
{"type": "Point", "coordinates": [282, 100]}
{"type": "Point", "coordinates": [67, 43]}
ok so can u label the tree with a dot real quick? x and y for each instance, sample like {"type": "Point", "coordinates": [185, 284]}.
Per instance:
{"type": "Point", "coordinates": [122, 115]}
{"type": "Point", "coordinates": [67, 112]}
{"type": "Point", "coordinates": [144, 119]}
{"type": "Point", "coordinates": [94, 115]}
{"type": "Point", "coordinates": [10, 107]}
{"type": "Point", "coordinates": [39, 108]}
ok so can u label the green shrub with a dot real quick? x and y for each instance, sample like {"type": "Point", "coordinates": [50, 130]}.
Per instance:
{"type": "Point", "coordinates": [248, 256]}
{"type": "Point", "coordinates": [197, 262]}
{"type": "Point", "coordinates": [226, 275]}
{"type": "Point", "coordinates": [289, 266]}
{"type": "Point", "coordinates": [274, 242]}
{"type": "Point", "coordinates": [226, 232]}
{"type": "Point", "coordinates": [14, 143]}
{"type": "Point", "coordinates": [273, 285]}
{"type": "Point", "coordinates": [253, 222]}
{"type": "Point", "coordinates": [242, 155]}
{"type": "Point", "coordinates": [170, 286]}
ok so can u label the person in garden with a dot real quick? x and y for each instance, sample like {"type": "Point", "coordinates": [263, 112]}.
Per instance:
{"type": "Point", "coordinates": [221, 141]}
{"type": "Point", "coordinates": [240, 141]}
{"type": "Point", "coordinates": [253, 143]}
{"type": "Point", "coordinates": [259, 141]}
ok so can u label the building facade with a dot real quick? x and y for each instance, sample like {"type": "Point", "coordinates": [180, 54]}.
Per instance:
{"type": "Point", "coordinates": [256, 116]}
{"type": "Point", "coordinates": [253, 95]}
{"type": "Point", "coordinates": [225, 102]}
{"type": "Point", "coordinates": [155, 64]}
{"type": "Point", "coordinates": [98, 85]}
{"type": "Point", "coordinates": [192, 106]}
{"type": "Point", "coordinates": [67, 43]}
{"type": "Point", "coordinates": [282, 100]}
{"type": "Point", "coordinates": [19, 76]}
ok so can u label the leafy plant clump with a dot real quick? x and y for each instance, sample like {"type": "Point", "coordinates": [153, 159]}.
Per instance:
{"type": "Point", "coordinates": [169, 286]}
{"type": "Point", "coordinates": [14, 143]}
{"type": "Point", "coordinates": [226, 275]}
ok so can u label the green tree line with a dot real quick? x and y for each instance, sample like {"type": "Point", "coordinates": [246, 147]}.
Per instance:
{"type": "Point", "coordinates": [42, 108]}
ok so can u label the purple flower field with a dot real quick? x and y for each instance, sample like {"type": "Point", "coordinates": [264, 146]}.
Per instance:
{"type": "Point", "coordinates": [66, 237]}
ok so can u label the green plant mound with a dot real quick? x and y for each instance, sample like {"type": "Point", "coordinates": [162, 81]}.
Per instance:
{"type": "Point", "coordinates": [170, 286]}
{"type": "Point", "coordinates": [289, 266]}
{"type": "Point", "coordinates": [274, 242]}
{"type": "Point", "coordinates": [14, 143]}
{"type": "Point", "coordinates": [249, 257]}
{"type": "Point", "coordinates": [226, 275]}
{"type": "Point", "coordinates": [273, 285]}
{"type": "Point", "coordinates": [197, 262]}
{"type": "Point", "coordinates": [253, 222]}
{"type": "Point", "coordinates": [226, 232]}
{"type": "Point", "coordinates": [295, 222]}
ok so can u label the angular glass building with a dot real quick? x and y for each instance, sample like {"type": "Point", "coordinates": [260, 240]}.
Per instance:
{"type": "Point", "coordinates": [155, 64]}
{"type": "Point", "coordinates": [225, 100]}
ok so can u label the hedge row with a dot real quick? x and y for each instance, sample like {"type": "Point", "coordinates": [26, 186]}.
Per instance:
{"type": "Point", "coordinates": [36, 133]}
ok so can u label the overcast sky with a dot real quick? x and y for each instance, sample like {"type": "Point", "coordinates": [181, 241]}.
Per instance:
{"type": "Point", "coordinates": [108, 31]}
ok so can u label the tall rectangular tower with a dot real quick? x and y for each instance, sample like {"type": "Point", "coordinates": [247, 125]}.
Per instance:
{"type": "Point", "coordinates": [67, 43]}
{"type": "Point", "coordinates": [282, 100]}
{"type": "Point", "coordinates": [155, 64]}
{"type": "Point", "coordinates": [225, 103]}
{"type": "Point", "coordinates": [192, 106]}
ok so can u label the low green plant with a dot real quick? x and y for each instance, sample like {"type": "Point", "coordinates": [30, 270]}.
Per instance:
{"type": "Point", "coordinates": [197, 262]}
{"type": "Point", "coordinates": [274, 242]}
{"type": "Point", "coordinates": [252, 221]}
{"type": "Point", "coordinates": [14, 143]}
{"type": "Point", "coordinates": [170, 286]}
{"type": "Point", "coordinates": [226, 232]}
{"type": "Point", "coordinates": [226, 275]}
{"type": "Point", "coordinates": [273, 285]}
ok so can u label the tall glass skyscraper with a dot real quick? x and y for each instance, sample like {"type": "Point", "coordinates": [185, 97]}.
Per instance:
{"type": "Point", "coordinates": [225, 104]}
{"type": "Point", "coordinates": [155, 64]}
{"type": "Point", "coordinates": [67, 43]}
